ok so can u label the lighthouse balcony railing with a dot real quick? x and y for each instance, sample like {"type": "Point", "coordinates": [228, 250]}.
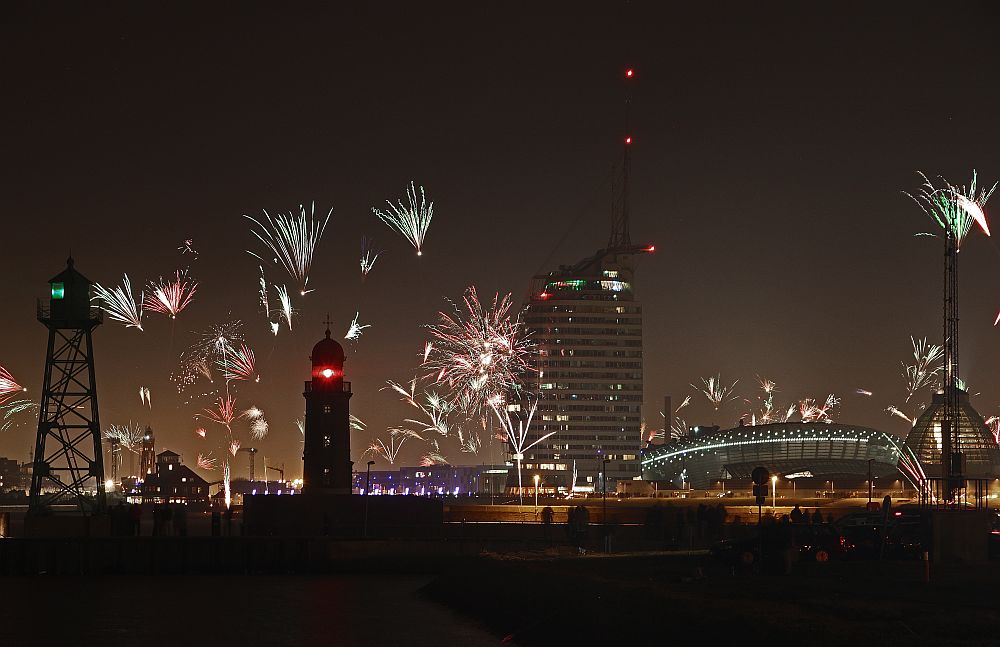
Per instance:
{"type": "Point", "coordinates": [44, 311]}
{"type": "Point", "coordinates": [345, 387]}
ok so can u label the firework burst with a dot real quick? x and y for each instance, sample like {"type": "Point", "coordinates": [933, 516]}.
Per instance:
{"type": "Point", "coordinates": [144, 396]}
{"type": "Point", "coordinates": [955, 208]}
{"type": "Point", "coordinates": [206, 462]}
{"type": "Point", "coordinates": [479, 354]}
{"type": "Point", "coordinates": [291, 241]}
{"type": "Point", "coordinates": [926, 367]}
{"type": "Point", "coordinates": [119, 303]}
{"type": "Point", "coordinates": [127, 436]}
{"type": "Point", "coordinates": [410, 220]}
{"type": "Point", "coordinates": [716, 392]}
{"type": "Point", "coordinates": [238, 364]}
{"type": "Point", "coordinates": [8, 385]}
{"type": "Point", "coordinates": [170, 296]}
{"type": "Point", "coordinates": [515, 430]}
{"type": "Point", "coordinates": [389, 451]}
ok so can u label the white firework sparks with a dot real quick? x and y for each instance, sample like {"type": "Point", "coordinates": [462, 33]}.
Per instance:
{"type": "Point", "coordinates": [410, 220]}
{"type": "Point", "coordinates": [355, 329]}
{"type": "Point", "coordinates": [291, 241]}
{"type": "Point", "coordinates": [119, 303]}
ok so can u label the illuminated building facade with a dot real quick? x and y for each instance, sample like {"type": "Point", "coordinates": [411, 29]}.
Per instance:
{"type": "Point", "coordinates": [797, 449]}
{"type": "Point", "coordinates": [173, 482]}
{"type": "Point", "coordinates": [587, 327]}
{"type": "Point", "coordinates": [435, 480]}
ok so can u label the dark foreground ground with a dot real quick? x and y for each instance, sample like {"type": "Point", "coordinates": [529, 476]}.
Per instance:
{"type": "Point", "coordinates": [527, 599]}
{"type": "Point", "coordinates": [597, 600]}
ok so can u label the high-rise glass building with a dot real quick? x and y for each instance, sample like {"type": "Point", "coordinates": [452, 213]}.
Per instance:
{"type": "Point", "coordinates": [587, 327]}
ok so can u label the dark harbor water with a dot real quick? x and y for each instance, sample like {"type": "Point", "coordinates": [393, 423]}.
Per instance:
{"type": "Point", "coordinates": [229, 610]}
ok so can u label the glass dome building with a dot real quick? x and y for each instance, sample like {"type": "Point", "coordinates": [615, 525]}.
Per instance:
{"type": "Point", "coordinates": [975, 440]}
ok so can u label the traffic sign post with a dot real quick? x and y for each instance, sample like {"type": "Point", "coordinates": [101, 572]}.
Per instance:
{"type": "Point", "coordinates": [760, 475]}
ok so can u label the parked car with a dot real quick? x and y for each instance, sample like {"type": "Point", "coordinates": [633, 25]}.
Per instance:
{"type": "Point", "coordinates": [809, 542]}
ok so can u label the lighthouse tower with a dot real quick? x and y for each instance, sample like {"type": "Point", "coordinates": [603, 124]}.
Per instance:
{"type": "Point", "coordinates": [326, 453]}
{"type": "Point", "coordinates": [68, 463]}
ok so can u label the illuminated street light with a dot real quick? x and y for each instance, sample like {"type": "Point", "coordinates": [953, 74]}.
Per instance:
{"type": "Point", "coordinates": [536, 493]}
{"type": "Point", "coordinates": [774, 490]}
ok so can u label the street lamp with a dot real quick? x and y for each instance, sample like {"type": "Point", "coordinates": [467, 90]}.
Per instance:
{"type": "Point", "coordinates": [536, 493]}
{"type": "Point", "coordinates": [871, 484]}
{"type": "Point", "coordinates": [604, 514]}
{"type": "Point", "coordinates": [774, 489]}
{"type": "Point", "coordinates": [368, 483]}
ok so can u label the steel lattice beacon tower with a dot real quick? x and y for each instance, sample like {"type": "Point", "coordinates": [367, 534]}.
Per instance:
{"type": "Point", "coordinates": [68, 459]}
{"type": "Point", "coordinates": [326, 452]}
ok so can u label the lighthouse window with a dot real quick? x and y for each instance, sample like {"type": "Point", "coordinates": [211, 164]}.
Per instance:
{"type": "Point", "coordinates": [58, 290]}
{"type": "Point", "coordinates": [326, 408]}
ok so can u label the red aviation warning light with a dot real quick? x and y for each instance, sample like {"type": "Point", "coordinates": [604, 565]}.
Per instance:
{"type": "Point", "coordinates": [629, 73]}
{"type": "Point", "coordinates": [628, 140]}
{"type": "Point", "coordinates": [544, 295]}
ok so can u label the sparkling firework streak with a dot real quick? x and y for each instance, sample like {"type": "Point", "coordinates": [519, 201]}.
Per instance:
{"type": "Point", "coordinates": [864, 392]}
{"type": "Point", "coordinates": [411, 221]}
{"type": "Point", "coordinates": [354, 330]}
{"type": "Point", "coordinates": [262, 293]}
{"type": "Point", "coordinates": [812, 412]}
{"type": "Point", "coordinates": [479, 354]}
{"type": "Point", "coordinates": [994, 424]}
{"type": "Point", "coordinates": [127, 436]}
{"type": "Point", "coordinates": [12, 408]}
{"type": "Point", "coordinates": [516, 434]}
{"type": "Point", "coordinates": [286, 312]}
{"type": "Point", "coordinates": [715, 391]}
{"type": "Point", "coordinates": [225, 484]}
{"type": "Point", "coordinates": [432, 458]}
{"type": "Point", "coordinates": [368, 255]}
{"type": "Point", "coordinates": [119, 303]}
{"type": "Point", "coordinates": [238, 364]}
{"type": "Point", "coordinates": [172, 296]}
{"type": "Point", "coordinates": [291, 241]}
{"type": "Point", "coordinates": [201, 431]}
{"type": "Point", "coordinates": [679, 429]}
{"type": "Point", "coordinates": [684, 403]}
{"type": "Point", "coordinates": [893, 411]}
{"type": "Point", "coordinates": [954, 208]}
{"type": "Point", "coordinates": [389, 450]}
{"type": "Point", "coordinates": [188, 248]}
{"type": "Point", "coordinates": [234, 447]}
{"type": "Point", "coordinates": [258, 425]}
{"type": "Point", "coordinates": [144, 397]}
{"type": "Point", "coordinates": [206, 462]}
{"type": "Point", "coordinates": [224, 413]}
{"type": "Point", "coordinates": [926, 366]}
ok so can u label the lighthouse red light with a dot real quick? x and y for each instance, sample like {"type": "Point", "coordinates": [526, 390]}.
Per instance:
{"type": "Point", "coordinates": [628, 140]}
{"type": "Point", "coordinates": [327, 373]}
{"type": "Point", "coordinates": [651, 248]}
{"type": "Point", "coordinates": [629, 73]}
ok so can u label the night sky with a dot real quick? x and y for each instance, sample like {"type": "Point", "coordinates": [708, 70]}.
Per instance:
{"type": "Point", "coordinates": [771, 147]}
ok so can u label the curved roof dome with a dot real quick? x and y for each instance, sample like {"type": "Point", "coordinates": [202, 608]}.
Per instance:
{"type": "Point", "coordinates": [975, 440]}
{"type": "Point", "coordinates": [328, 353]}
